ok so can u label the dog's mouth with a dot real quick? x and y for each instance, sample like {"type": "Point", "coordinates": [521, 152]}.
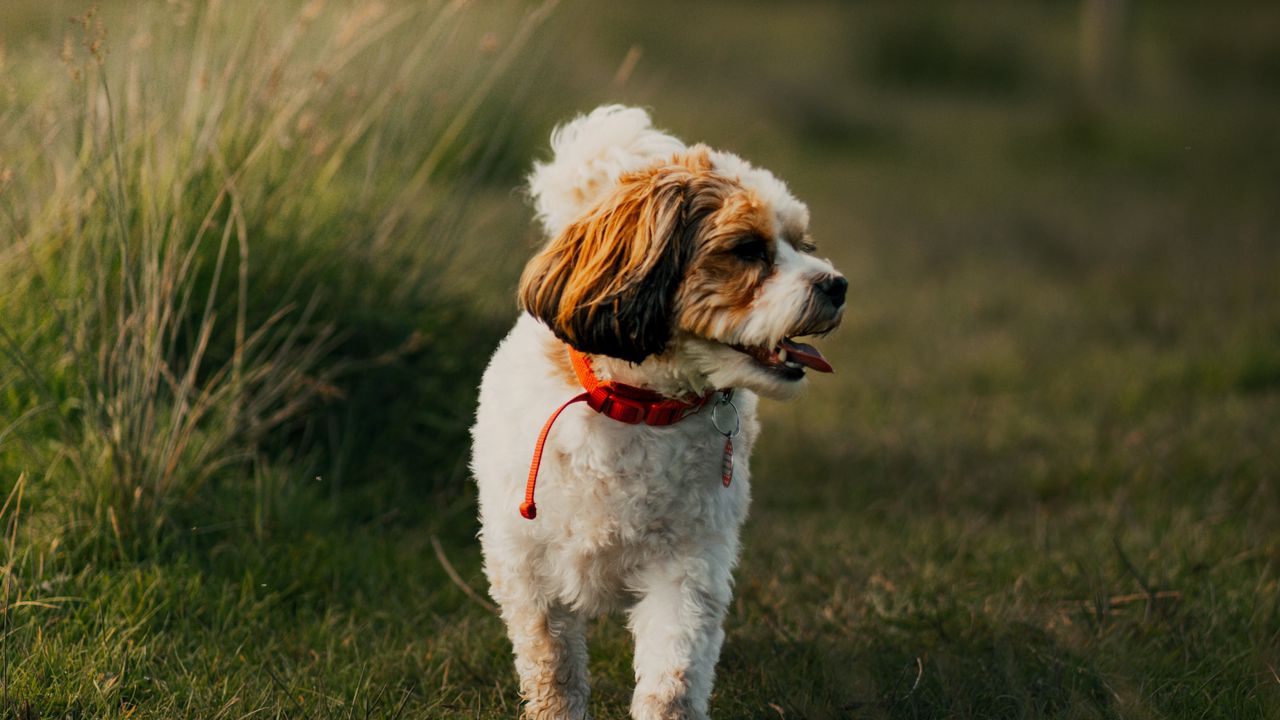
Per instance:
{"type": "Point", "coordinates": [788, 359]}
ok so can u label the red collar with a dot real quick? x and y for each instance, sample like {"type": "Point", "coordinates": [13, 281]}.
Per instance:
{"type": "Point", "coordinates": [624, 403]}
{"type": "Point", "coordinates": [630, 404]}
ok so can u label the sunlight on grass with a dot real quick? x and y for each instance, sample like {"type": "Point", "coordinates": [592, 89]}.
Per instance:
{"type": "Point", "coordinates": [148, 253]}
{"type": "Point", "coordinates": [195, 215]}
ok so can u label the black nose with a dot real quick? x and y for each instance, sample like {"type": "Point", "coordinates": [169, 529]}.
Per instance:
{"type": "Point", "coordinates": [833, 288]}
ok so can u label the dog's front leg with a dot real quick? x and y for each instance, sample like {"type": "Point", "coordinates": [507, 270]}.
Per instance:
{"type": "Point", "coordinates": [678, 626]}
{"type": "Point", "coordinates": [551, 659]}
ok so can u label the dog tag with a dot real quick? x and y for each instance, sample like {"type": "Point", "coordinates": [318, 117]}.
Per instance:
{"type": "Point", "coordinates": [726, 401]}
{"type": "Point", "coordinates": [726, 474]}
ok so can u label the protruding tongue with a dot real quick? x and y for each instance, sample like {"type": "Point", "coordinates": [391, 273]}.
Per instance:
{"type": "Point", "coordinates": [806, 355]}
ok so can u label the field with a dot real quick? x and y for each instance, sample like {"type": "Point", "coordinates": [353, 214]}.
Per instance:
{"type": "Point", "coordinates": [253, 257]}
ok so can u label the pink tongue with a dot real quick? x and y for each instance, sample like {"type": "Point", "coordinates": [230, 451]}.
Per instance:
{"type": "Point", "coordinates": [806, 355]}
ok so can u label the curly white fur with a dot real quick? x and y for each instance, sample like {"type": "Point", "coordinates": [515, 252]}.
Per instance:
{"type": "Point", "coordinates": [590, 152]}
{"type": "Point", "coordinates": [629, 516]}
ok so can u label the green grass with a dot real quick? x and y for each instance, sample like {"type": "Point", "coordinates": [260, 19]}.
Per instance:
{"type": "Point", "coordinates": [245, 300]}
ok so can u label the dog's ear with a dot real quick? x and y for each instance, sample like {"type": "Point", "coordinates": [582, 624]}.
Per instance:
{"type": "Point", "coordinates": [607, 284]}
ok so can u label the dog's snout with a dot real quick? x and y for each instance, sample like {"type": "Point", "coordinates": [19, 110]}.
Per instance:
{"type": "Point", "coordinates": [833, 288]}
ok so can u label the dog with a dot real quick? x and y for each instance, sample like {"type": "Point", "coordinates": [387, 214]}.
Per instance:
{"type": "Point", "coordinates": [668, 295]}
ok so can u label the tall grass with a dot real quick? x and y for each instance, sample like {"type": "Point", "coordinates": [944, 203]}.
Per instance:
{"type": "Point", "coordinates": [227, 235]}
{"type": "Point", "coordinates": [198, 219]}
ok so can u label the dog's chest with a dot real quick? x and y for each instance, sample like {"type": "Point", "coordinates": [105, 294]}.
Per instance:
{"type": "Point", "coordinates": [628, 496]}
{"type": "Point", "coordinates": [645, 476]}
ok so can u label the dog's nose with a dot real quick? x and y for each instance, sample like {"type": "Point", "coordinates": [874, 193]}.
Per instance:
{"type": "Point", "coordinates": [833, 288]}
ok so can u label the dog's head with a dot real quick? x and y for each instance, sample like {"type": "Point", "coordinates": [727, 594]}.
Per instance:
{"type": "Point", "coordinates": [699, 256]}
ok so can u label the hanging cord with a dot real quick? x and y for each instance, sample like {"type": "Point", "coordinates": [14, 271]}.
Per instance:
{"type": "Point", "coordinates": [528, 508]}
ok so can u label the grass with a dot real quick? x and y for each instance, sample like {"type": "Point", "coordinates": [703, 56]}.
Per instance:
{"type": "Point", "coordinates": [252, 259]}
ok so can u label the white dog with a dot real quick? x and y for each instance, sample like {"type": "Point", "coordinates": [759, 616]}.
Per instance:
{"type": "Point", "coordinates": [668, 294]}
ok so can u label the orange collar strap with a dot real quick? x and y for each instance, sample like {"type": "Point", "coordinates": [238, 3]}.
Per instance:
{"type": "Point", "coordinates": [624, 403]}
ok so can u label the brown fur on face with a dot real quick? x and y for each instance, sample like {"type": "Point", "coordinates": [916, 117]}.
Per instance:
{"type": "Point", "coordinates": [607, 283]}
{"type": "Point", "coordinates": [661, 250]}
{"type": "Point", "coordinates": [720, 280]}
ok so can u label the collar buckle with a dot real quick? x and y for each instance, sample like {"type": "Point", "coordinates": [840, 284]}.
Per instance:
{"type": "Point", "coordinates": [639, 412]}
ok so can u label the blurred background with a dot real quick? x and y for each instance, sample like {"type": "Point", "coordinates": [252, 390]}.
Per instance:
{"type": "Point", "coordinates": [253, 258]}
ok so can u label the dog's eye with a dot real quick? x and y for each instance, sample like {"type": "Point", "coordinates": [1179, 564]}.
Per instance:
{"type": "Point", "coordinates": [752, 249]}
{"type": "Point", "coordinates": [807, 247]}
